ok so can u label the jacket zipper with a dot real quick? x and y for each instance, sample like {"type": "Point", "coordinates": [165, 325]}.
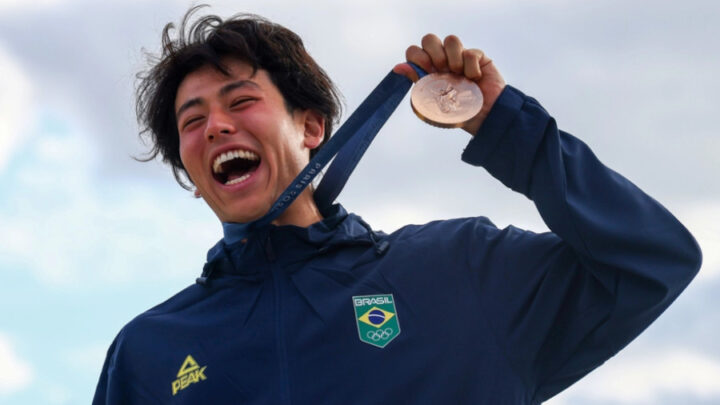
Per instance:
{"type": "Point", "coordinates": [279, 330]}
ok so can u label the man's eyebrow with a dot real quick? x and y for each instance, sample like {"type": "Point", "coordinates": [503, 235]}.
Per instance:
{"type": "Point", "coordinates": [190, 103]}
{"type": "Point", "coordinates": [223, 91]}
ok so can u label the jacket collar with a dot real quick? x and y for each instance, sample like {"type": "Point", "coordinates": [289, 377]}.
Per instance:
{"type": "Point", "coordinates": [286, 244]}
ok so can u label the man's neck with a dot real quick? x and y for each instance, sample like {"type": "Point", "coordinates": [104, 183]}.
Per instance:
{"type": "Point", "coordinates": [302, 212]}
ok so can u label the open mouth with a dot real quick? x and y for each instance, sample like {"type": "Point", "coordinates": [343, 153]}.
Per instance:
{"type": "Point", "coordinates": [235, 166]}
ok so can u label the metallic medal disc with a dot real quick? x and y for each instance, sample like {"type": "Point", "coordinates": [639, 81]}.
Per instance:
{"type": "Point", "coordinates": [446, 100]}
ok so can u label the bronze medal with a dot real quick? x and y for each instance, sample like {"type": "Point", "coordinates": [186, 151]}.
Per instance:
{"type": "Point", "coordinates": [446, 100]}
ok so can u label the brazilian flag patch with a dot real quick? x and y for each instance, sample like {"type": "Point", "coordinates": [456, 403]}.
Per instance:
{"type": "Point", "coordinates": [376, 319]}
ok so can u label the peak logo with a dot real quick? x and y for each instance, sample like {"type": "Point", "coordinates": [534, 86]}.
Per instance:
{"type": "Point", "coordinates": [190, 373]}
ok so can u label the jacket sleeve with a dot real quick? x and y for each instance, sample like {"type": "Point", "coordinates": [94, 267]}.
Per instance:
{"type": "Point", "coordinates": [102, 394]}
{"type": "Point", "coordinates": [564, 302]}
{"type": "Point", "coordinates": [113, 388]}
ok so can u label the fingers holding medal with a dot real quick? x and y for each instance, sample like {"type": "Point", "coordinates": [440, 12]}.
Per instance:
{"type": "Point", "coordinates": [454, 53]}
{"type": "Point", "coordinates": [461, 85]}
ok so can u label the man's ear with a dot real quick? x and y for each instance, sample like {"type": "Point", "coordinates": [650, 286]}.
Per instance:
{"type": "Point", "coordinates": [314, 129]}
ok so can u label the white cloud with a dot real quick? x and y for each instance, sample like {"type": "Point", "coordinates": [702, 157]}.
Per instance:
{"type": "Point", "coordinates": [648, 377]}
{"type": "Point", "coordinates": [56, 394]}
{"type": "Point", "coordinates": [91, 239]}
{"type": "Point", "coordinates": [15, 373]}
{"type": "Point", "coordinates": [91, 231]}
{"type": "Point", "coordinates": [703, 220]}
{"type": "Point", "coordinates": [27, 5]}
{"type": "Point", "coordinates": [391, 216]}
{"type": "Point", "coordinates": [15, 104]}
{"type": "Point", "coordinates": [87, 359]}
{"type": "Point", "coordinates": [381, 42]}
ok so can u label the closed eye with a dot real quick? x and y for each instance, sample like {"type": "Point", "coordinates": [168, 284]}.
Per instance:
{"type": "Point", "coordinates": [191, 120]}
{"type": "Point", "coordinates": [240, 101]}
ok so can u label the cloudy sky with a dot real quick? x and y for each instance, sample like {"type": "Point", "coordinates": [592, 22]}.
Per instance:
{"type": "Point", "coordinates": [89, 237]}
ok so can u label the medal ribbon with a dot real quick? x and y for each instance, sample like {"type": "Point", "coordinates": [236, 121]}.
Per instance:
{"type": "Point", "coordinates": [349, 143]}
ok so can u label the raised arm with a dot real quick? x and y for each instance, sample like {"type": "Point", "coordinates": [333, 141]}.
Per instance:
{"type": "Point", "coordinates": [561, 303]}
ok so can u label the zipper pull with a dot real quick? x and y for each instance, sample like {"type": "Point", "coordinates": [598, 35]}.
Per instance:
{"type": "Point", "coordinates": [205, 276]}
{"type": "Point", "coordinates": [382, 247]}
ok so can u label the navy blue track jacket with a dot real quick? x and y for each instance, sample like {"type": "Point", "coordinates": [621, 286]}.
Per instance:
{"type": "Point", "coordinates": [465, 313]}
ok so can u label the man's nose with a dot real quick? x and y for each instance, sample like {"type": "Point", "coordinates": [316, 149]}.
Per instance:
{"type": "Point", "coordinates": [219, 123]}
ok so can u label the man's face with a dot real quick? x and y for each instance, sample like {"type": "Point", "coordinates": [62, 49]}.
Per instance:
{"type": "Point", "coordinates": [238, 142]}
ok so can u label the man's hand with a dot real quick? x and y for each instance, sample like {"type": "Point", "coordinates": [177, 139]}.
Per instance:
{"type": "Point", "coordinates": [450, 56]}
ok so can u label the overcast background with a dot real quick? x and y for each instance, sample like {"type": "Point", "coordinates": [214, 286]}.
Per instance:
{"type": "Point", "coordinates": [89, 237]}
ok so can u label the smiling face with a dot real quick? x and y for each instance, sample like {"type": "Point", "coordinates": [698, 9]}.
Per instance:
{"type": "Point", "coordinates": [239, 143]}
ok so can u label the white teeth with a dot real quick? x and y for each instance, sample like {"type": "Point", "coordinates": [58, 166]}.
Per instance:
{"type": "Point", "coordinates": [238, 180]}
{"type": "Point", "coordinates": [233, 154]}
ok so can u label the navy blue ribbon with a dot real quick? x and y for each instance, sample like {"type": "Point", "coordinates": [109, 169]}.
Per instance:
{"type": "Point", "coordinates": [349, 143]}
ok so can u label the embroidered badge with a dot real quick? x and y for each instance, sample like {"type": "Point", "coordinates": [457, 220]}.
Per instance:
{"type": "Point", "coordinates": [376, 319]}
{"type": "Point", "coordinates": [190, 372]}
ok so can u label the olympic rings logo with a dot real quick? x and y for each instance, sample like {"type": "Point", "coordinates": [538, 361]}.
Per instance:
{"type": "Point", "coordinates": [381, 334]}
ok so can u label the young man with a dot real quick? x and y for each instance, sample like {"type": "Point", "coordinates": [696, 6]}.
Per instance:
{"type": "Point", "coordinates": [319, 308]}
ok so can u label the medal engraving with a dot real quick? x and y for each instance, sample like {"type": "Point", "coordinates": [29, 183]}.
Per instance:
{"type": "Point", "coordinates": [446, 100]}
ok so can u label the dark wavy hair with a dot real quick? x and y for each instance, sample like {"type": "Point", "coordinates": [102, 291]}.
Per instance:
{"type": "Point", "coordinates": [252, 39]}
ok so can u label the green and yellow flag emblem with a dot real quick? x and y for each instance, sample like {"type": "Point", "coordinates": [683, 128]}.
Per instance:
{"type": "Point", "coordinates": [376, 319]}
